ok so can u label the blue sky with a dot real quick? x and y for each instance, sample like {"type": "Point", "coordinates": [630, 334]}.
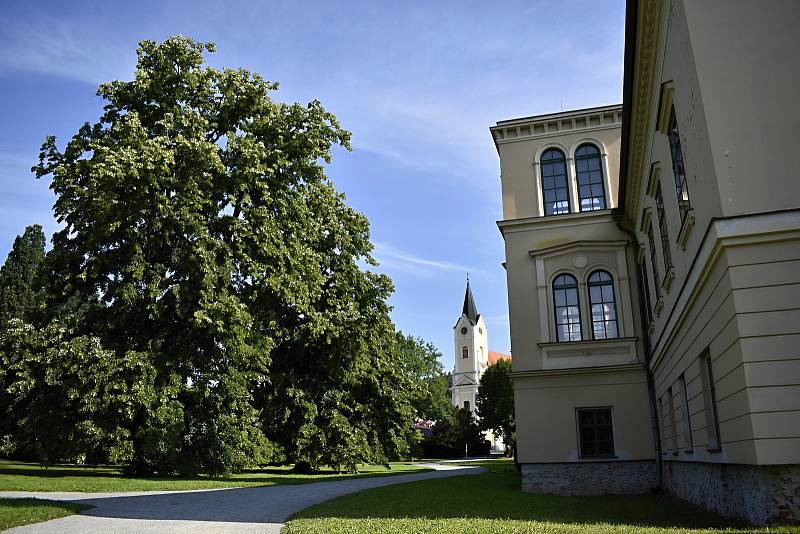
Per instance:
{"type": "Point", "coordinates": [417, 82]}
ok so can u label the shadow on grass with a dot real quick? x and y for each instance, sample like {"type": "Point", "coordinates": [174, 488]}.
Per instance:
{"type": "Point", "coordinates": [17, 512]}
{"type": "Point", "coordinates": [254, 477]}
{"type": "Point", "coordinates": [254, 505]}
{"type": "Point", "coordinates": [496, 494]}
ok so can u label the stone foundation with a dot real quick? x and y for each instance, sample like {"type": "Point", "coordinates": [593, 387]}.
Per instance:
{"type": "Point", "coordinates": [760, 495]}
{"type": "Point", "coordinates": [590, 478]}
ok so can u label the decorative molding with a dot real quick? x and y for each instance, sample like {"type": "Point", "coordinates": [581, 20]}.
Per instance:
{"type": "Point", "coordinates": [686, 229]}
{"type": "Point", "coordinates": [589, 353]}
{"type": "Point", "coordinates": [555, 221]}
{"type": "Point", "coordinates": [722, 233]}
{"type": "Point", "coordinates": [555, 124]}
{"type": "Point", "coordinates": [665, 106]}
{"type": "Point", "coordinates": [582, 245]}
{"type": "Point", "coordinates": [576, 371]}
{"type": "Point", "coordinates": [645, 67]}
{"type": "Point", "coordinates": [655, 174]}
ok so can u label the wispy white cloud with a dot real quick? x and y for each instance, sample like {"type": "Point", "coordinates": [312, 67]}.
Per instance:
{"type": "Point", "coordinates": [391, 258]}
{"type": "Point", "coordinates": [63, 48]}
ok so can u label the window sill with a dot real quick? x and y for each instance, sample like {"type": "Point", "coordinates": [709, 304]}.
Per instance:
{"type": "Point", "coordinates": [714, 450]}
{"type": "Point", "coordinates": [595, 458]}
{"type": "Point", "coordinates": [589, 353]}
{"type": "Point", "coordinates": [686, 229]}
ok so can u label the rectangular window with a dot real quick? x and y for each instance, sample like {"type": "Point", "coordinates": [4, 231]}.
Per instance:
{"type": "Point", "coordinates": [710, 400]}
{"type": "Point", "coordinates": [662, 229]}
{"type": "Point", "coordinates": [651, 241]}
{"type": "Point", "coordinates": [686, 420]}
{"type": "Point", "coordinates": [596, 434]}
{"type": "Point", "coordinates": [678, 169]}
{"type": "Point", "coordinates": [673, 428]}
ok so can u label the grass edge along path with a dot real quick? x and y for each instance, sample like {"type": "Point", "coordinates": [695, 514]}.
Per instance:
{"type": "Point", "coordinates": [24, 476]}
{"type": "Point", "coordinates": [492, 502]}
{"type": "Point", "coordinates": [18, 512]}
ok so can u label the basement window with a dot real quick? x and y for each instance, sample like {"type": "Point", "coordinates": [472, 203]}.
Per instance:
{"type": "Point", "coordinates": [595, 432]}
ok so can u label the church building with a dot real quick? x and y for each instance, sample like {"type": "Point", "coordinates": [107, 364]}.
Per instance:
{"type": "Point", "coordinates": [653, 267]}
{"type": "Point", "coordinates": [472, 358]}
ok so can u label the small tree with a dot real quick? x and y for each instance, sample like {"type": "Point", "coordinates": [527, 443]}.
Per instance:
{"type": "Point", "coordinates": [495, 401]}
{"type": "Point", "coordinates": [18, 292]}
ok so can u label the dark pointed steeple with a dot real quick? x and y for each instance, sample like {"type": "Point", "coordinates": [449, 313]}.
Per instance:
{"type": "Point", "coordinates": [470, 310]}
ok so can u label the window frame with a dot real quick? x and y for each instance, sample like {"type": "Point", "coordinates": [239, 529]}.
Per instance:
{"type": "Point", "coordinates": [566, 187]}
{"type": "Point", "coordinates": [663, 232]}
{"type": "Point", "coordinates": [556, 307]}
{"type": "Point", "coordinates": [688, 441]}
{"type": "Point", "coordinates": [464, 352]}
{"type": "Point", "coordinates": [678, 165]}
{"type": "Point", "coordinates": [651, 242]}
{"type": "Point", "coordinates": [580, 427]}
{"type": "Point", "coordinates": [599, 156]}
{"type": "Point", "coordinates": [710, 402]}
{"type": "Point", "coordinates": [589, 286]}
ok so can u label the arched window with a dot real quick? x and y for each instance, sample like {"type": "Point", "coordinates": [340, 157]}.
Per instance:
{"type": "Point", "coordinates": [567, 308]}
{"type": "Point", "coordinates": [464, 352]}
{"type": "Point", "coordinates": [554, 182]}
{"type": "Point", "coordinates": [466, 405]}
{"type": "Point", "coordinates": [589, 172]}
{"type": "Point", "coordinates": [603, 305]}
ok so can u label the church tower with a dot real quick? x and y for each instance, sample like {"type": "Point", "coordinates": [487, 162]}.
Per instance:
{"type": "Point", "coordinates": [471, 353]}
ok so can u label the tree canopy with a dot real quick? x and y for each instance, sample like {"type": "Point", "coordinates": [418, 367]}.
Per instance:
{"type": "Point", "coordinates": [420, 360]}
{"type": "Point", "coordinates": [495, 401]}
{"type": "Point", "coordinates": [205, 305]}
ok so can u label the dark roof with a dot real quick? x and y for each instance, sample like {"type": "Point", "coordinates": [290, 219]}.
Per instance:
{"type": "Point", "coordinates": [470, 310]}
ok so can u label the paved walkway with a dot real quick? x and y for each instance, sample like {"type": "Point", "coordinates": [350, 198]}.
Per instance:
{"type": "Point", "coordinates": [234, 510]}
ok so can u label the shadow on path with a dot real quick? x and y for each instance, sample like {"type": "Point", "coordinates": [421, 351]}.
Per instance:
{"type": "Point", "coordinates": [266, 507]}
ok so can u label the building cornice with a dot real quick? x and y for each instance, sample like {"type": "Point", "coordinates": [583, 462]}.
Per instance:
{"type": "Point", "coordinates": [557, 124]}
{"type": "Point", "coordinates": [554, 221]}
{"type": "Point", "coordinates": [722, 233]}
{"type": "Point", "coordinates": [643, 26]}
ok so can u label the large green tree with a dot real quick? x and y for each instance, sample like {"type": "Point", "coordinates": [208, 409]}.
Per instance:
{"type": "Point", "coordinates": [202, 235]}
{"type": "Point", "coordinates": [495, 401]}
{"type": "Point", "coordinates": [18, 290]}
{"type": "Point", "coordinates": [420, 360]}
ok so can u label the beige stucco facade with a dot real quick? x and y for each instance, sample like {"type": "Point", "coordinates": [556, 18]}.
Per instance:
{"type": "Point", "coordinates": [554, 379]}
{"type": "Point", "coordinates": [703, 250]}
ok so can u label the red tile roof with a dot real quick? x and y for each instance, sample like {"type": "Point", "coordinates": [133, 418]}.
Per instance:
{"type": "Point", "coordinates": [494, 357]}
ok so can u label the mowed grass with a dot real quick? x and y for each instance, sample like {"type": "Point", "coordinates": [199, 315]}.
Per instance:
{"type": "Point", "coordinates": [18, 512]}
{"type": "Point", "coordinates": [21, 476]}
{"type": "Point", "coordinates": [493, 503]}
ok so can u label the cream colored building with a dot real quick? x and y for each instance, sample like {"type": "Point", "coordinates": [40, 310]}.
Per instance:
{"type": "Point", "coordinates": [654, 277]}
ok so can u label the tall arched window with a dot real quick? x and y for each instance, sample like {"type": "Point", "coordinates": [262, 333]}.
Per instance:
{"type": "Point", "coordinates": [589, 172]}
{"type": "Point", "coordinates": [603, 305]}
{"type": "Point", "coordinates": [567, 308]}
{"type": "Point", "coordinates": [464, 352]}
{"type": "Point", "coordinates": [554, 182]}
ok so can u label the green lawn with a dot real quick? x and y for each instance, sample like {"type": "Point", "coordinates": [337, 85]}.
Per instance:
{"type": "Point", "coordinates": [492, 502]}
{"type": "Point", "coordinates": [19, 476]}
{"type": "Point", "coordinates": [16, 512]}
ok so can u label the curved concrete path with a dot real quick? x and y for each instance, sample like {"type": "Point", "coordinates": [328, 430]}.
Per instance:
{"type": "Point", "coordinates": [233, 510]}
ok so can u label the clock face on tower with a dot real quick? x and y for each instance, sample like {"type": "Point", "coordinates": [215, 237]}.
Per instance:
{"type": "Point", "coordinates": [463, 330]}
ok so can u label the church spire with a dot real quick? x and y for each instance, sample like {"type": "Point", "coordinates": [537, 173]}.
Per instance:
{"type": "Point", "coordinates": [470, 310]}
